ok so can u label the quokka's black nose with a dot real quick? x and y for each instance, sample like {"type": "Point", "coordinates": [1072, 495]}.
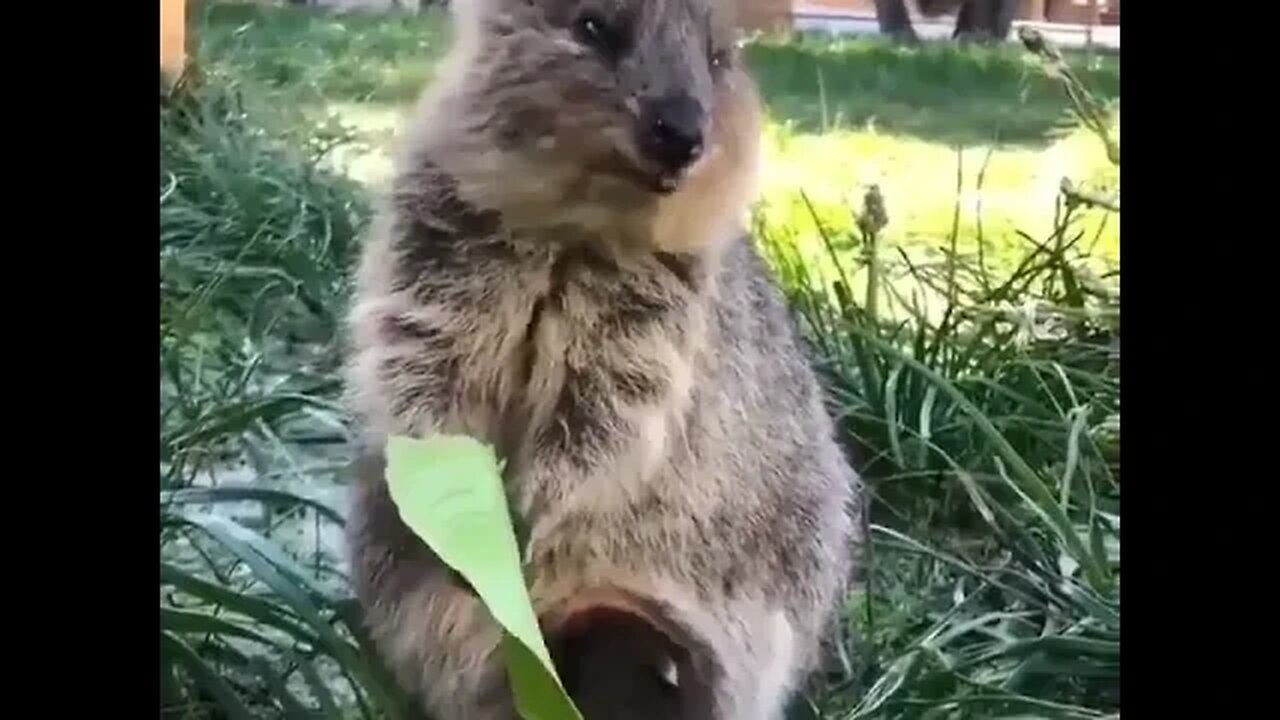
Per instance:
{"type": "Point", "coordinates": [671, 130]}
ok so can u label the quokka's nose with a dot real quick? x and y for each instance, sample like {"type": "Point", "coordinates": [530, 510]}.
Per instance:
{"type": "Point", "coordinates": [672, 131]}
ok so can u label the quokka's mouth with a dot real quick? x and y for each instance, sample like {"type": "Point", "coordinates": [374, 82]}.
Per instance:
{"type": "Point", "coordinates": [656, 182]}
{"type": "Point", "coordinates": [667, 184]}
{"type": "Point", "coordinates": [645, 177]}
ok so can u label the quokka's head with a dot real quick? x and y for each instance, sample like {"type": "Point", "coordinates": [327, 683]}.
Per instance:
{"type": "Point", "coordinates": [634, 98]}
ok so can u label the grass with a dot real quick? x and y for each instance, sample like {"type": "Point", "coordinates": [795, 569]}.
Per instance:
{"type": "Point", "coordinates": [254, 245]}
{"type": "Point", "coordinates": [966, 332]}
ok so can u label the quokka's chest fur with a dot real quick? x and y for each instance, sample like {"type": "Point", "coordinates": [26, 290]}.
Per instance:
{"type": "Point", "coordinates": [577, 341]}
{"type": "Point", "coordinates": [561, 351]}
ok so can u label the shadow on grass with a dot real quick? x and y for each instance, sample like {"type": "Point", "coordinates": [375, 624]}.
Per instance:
{"type": "Point", "coordinates": [940, 92]}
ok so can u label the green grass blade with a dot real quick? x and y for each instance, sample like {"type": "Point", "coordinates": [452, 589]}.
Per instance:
{"type": "Point", "coordinates": [1052, 645]}
{"type": "Point", "coordinates": [1092, 605]}
{"type": "Point", "coordinates": [234, 494]}
{"type": "Point", "coordinates": [229, 702]}
{"type": "Point", "coordinates": [234, 419]}
{"type": "Point", "coordinates": [324, 696]}
{"type": "Point", "coordinates": [916, 546]}
{"type": "Point", "coordinates": [258, 609]}
{"type": "Point", "coordinates": [260, 555]}
{"type": "Point", "coordinates": [234, 535]}
{"type": "Point", "coordinates": [926, 423]}
{"type": "Point", "coordinates": [1077, 416]}
{"type": "Point", "coordinates": [898, 674]}
{"type": "Point", "coordinates": [891, 414]}
{"type": "Point", "coordinates": [186, 621]}
{"type": "Point", "coordinates": [289, 703]}
{"type": "Point", "coordinates": [1029, 483]}
{"type": "Point", "coordinates": [170, 687]}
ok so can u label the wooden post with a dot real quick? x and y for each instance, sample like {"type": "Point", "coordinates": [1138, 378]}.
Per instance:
{"type": "Point", "coordinates": [173, 39]}
{"type": "Point", "coordinates": [767, 16]}
{"type": "Point", "coordinates": [1033, 10]}
{"type": "Point", "coordinates": [1088, 29]}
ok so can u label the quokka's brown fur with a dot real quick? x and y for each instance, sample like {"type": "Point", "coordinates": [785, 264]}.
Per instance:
{"type": "Point", "coordinates": [534, 280]}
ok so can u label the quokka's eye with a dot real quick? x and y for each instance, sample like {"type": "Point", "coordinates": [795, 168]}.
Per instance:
{"type": "Point", "coordinates": [719, 60]}
{"type": "Point", "coordinates": [590, 27]}
{"type": "Point", "coordinates": [592, 31]}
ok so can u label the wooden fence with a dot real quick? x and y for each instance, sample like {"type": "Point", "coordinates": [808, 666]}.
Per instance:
{"type": "Point", "coordinates": [173, 39]}
{"type": "Point", "coordinates": [1079, 12]}
{"type": "Point", "coordinates": [766, 15]}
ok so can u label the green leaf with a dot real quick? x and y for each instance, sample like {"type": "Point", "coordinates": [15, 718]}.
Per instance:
{"type": "Point", "coordinates": [448, 489]}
